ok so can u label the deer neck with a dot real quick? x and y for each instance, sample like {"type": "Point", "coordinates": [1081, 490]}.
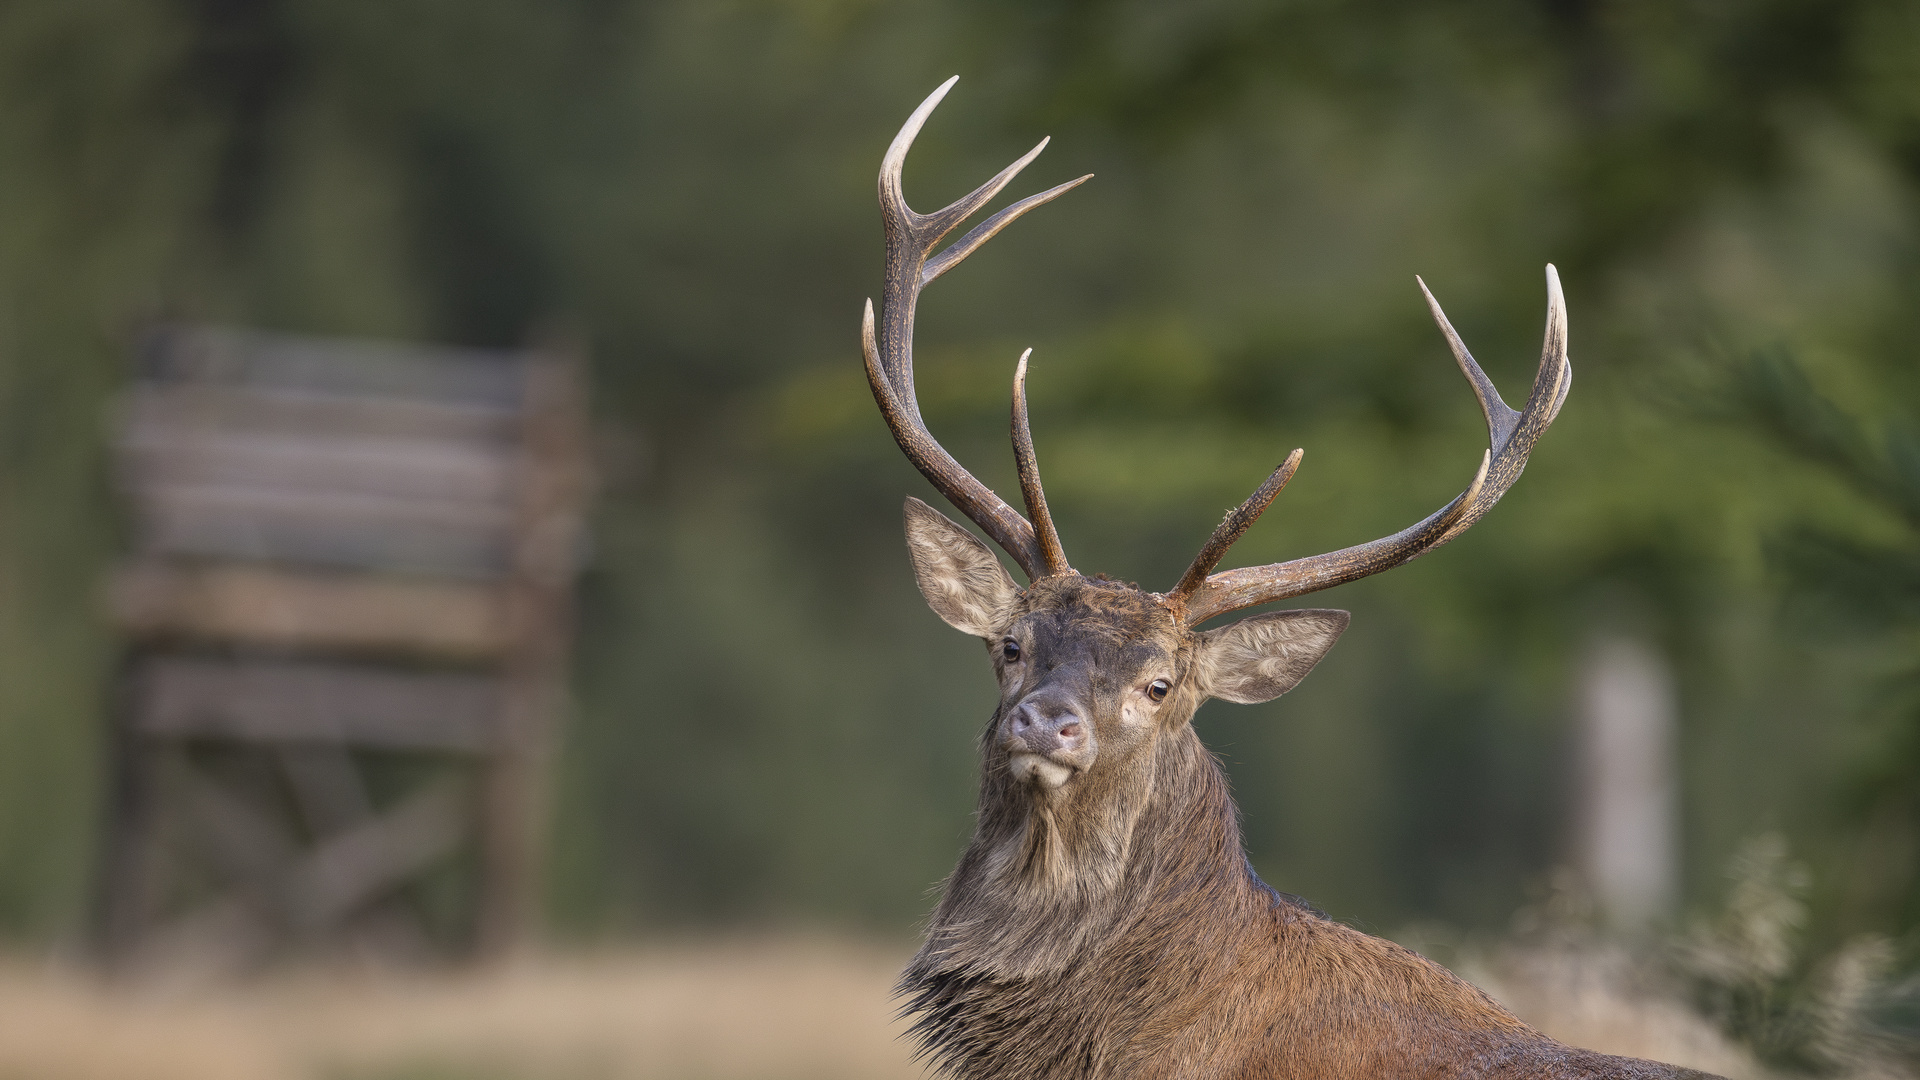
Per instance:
{"type": "Point", "coordinates": [1046, 887]}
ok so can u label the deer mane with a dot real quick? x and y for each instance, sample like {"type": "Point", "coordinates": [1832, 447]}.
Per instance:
{"type": "Point", "coordinates": [1042, 889]}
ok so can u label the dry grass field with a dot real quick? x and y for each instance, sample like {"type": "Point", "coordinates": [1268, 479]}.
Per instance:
{"type": "Point", "coordinates": [747, 1010]}
{"type": "Point", "coordinates": [788, 1010]}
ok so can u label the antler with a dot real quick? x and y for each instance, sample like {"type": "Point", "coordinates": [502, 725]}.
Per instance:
{"type": "Point", "coordinates": [911, 238]}
{"type": "Point", "coordinates": [1510, 437]}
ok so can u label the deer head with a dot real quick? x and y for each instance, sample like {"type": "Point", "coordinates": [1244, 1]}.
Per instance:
{"type": "Point", "coordinates": [1099, 679]}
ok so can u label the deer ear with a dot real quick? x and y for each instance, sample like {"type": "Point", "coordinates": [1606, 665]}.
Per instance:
{"type": "Point", "coordinates": [960, 577]}
{"type": "Point", "coordinates": [1258, 659]}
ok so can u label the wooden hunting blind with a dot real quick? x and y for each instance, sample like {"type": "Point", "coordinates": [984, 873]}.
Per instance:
{"type": "Point", "coordinates": [347, 610]}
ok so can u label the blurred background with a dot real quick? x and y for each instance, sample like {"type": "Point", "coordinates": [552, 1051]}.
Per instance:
{"type": "Point", "coordinates": [1660, 710]}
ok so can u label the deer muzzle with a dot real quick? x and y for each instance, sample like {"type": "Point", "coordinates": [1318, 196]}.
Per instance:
{"type": "Point", "coordinates": [1048, 739]}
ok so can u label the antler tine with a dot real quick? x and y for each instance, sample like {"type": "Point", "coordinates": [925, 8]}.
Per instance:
{"type": "Point", "coordinates": [971, 497]}
{"type": "Point", "coordinates": [991, 227]}
{"type": "Point", "coordinates": [1051, 553]}
{"type": "Point", "coordinates": [1237, 522]}
{"type": "Point", "coordinates": [1510, 435]}
{"type": "Point", "coordinates": [1500, 418]}
{"type": "Point", "coordinates": [911, 238]}
{"type": "Point", "coordinates": [1512, 440]}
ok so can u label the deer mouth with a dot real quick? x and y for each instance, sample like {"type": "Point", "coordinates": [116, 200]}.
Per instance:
{"type": "Point", "coordinates": [1040, 771]}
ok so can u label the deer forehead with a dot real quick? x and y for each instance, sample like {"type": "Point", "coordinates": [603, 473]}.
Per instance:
{"type": "Point", "coordinates": [1113, 623]}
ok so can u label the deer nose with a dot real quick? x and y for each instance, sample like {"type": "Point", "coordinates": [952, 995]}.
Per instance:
{"type": "Point", "coordinates": [1045, 726]}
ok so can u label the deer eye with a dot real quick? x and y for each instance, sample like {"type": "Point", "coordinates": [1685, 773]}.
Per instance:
{"type": "Point", "coordinates": [1157, 689]}
{"type": "Point", "coordinates": [1010, 649]}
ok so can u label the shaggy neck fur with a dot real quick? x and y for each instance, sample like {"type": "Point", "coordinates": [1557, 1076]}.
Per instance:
{"type": "Point", "coordinates": [1146, 949]}
{"type": "Point", "coordinates": [1050, 896]}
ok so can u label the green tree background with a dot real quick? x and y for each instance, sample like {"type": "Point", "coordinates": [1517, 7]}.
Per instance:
{"type": "Point", "coordinates": [769, 728]}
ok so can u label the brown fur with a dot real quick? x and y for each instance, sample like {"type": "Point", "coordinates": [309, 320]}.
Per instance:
{"type": "Point", "coordinates": [1113, 928]}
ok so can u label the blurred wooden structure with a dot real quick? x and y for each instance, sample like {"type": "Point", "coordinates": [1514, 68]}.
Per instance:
{"type": "Point", "coordinates": [347, 608]}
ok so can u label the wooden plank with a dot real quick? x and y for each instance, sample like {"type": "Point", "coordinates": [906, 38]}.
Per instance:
{"type": "Point", "coordinates": [310, 890]}
{"type": "Point", "coordinates": [442, 470]}
{"type": "Point", "coordinates": [248, 843]}
{"type": "Point", "coordinates": [334, 365]}
{"type": "Point", "coordinates": [369, 532]}
{"type": "Point", "coordinates": [331, 612]}
{"type": "Point", "coordinates": [354, 867]}
{"type": "Point", "coordinates": [131, 856]}
{"type": "Point", "coordinates": [285, 701]}
{"type": "Point", "coordinates": [194, 406]}
{"type": "Point", "coordinates": [514, 796]}
{"type": "Point", "coordinates": [267, 504]}
{"type": "Point", "coordinates": [326, 786]}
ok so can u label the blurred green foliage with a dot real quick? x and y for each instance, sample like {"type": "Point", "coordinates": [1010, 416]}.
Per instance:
{"type": "Point", "coordinates": [1865, 584]}
{"type": "Point", "coordinates": [768, 725]}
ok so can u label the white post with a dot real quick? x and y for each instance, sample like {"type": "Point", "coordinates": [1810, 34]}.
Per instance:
{"type": "Point", "coordinates": [1628, 844]}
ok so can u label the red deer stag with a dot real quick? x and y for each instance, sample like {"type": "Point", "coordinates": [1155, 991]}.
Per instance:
{"type": "Point", "coordinates": [1104, 921]}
